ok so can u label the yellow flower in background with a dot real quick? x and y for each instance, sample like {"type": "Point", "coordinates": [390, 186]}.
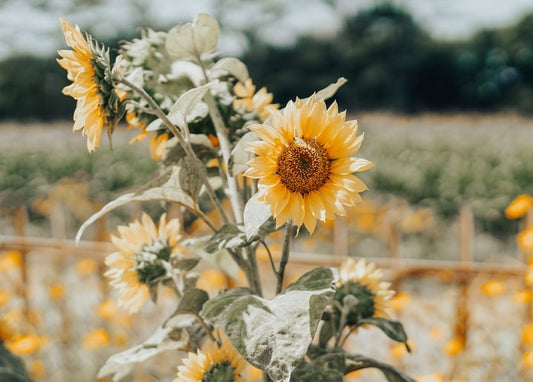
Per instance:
{"type": "Point", "coordinates": [95, 339]}
{"type": "Point", "coordinates": [525, 240]}
{"type": "Point", "coordinates": [212, 280]}
{"type": "Point", "coordinates": [158, 143]}
{"type": "Point", "coordinates": [522, 297]}
{"type": "Point", "coordinates": [493, 288]}
{"type": "Point", "coordinates": [527, 359]}
{"type": "Point", "coordinates": [519, 206]}
{"type": "Point", "coordinates": [86, 267]}
{"type": "Point", "coordinates": [107, 309]}
{"type": "Point", "coordinates": [436, 333]}
{"type": "Point", "coordinates": [454, 346]}
{"type": "Point", "coordinates": [97, 103]}
{"type": "Point", "coordinates": [527, 334]}
{"type": "Point", "coordinates": [212, 363]}
{"type": "Point", "coordinates": [400, 301]}
{"type": "Point", "coordinates": [10, 260]}
{"type": "Point", "coordinates": [433, 377]}
{"type": "Point", "coordinates": [26, 344]}
{"type": "Point", "coordinates": [249, 100]}
{"type": "Point", "coordinates": [57, 291]}
{"type": "Point", "coordinates": [304, 163]}
{"type": "Point", "coordinates": [398, 350]}
{"type": "Point", "coordinates": [528, 277]}
{"type": "Point", "coordinates": [5, 296]}
{"type": "Point", "coordinates": [364, 283]}
{"type": "Point", "coordinates": [142, 246]}
{"type": "Point", "coordinates": [37, 369]}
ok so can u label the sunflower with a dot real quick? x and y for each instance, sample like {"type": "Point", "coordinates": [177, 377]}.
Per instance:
{"type": "Point", "coordinates": [213, 363]}
{"type": "Point", "coordinates": [88, 67]}
{"type": "Point", "coordinates": [364, 283]}
{"type": "Point", "coordinates": [138, 263]}
{"type": "Point", "coordinates": [304, 165]}
{"type": "Point", "coordinates": [249, 100]}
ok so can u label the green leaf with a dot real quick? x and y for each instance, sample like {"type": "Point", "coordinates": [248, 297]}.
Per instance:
{"type": "Point", "coordinates": [393, 329]}
{"type": "Point", "coordinates": [187, 104]}
{"type": "Point", "coordinates": [166, 187]}
{"type": "Point", "coordinates": [357, 362]}
{"type": "Point", "coordinates": [201, 145]}
{"type": "Point", "coordinates": [229, 236]}
{"type": "Point", "coordinates": [240, 155]}
{"type": "Point", "coordinates": [11, 367]}
{"type": "Point", "coordinates": [221, 258]}
{"type": "Point", "coordinates": [232, 66]}
{"type": "Point", "coordinates": [191, 41]}
{"type": "Point", "coordinates": [327, 331]}
{"type": "Point", "coordinates": [192, 301]}
{"type": "Point", "coordinates": [190, 175]}
{"type": "Point", "coordinates": [171, 337]}
{"type": "Point", "coordinates": [256, 214]}
{"type": "Point", "coordinates": [306, 372]}
{"type": "Point", "coordinates": [274, 335]}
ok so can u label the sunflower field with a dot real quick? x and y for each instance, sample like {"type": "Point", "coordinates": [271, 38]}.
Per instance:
{"type": "Point", "coordinates": [163, 254]}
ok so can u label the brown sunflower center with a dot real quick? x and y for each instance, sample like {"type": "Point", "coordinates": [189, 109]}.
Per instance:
{"type": "Point", "coordinates": [303, 166]}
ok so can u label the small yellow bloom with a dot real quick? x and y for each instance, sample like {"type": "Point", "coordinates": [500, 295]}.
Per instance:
{"type": "Point", "coordinates": [528, 277]}
{"type": "Point", "coordinates": [454, 346]}
{"type": "Point", "coordinates": [120, 339]}
{"type": "Point", "coordinates": [260, 102]}
{"type": "Point", "coordinates": [433, 377]}
{"type": "Point", "coordinates": [436, 333]}
{"type": "Point", "coordinates": [212, 280]}
{"type": "Point", "coordinates": [493, 288]}
{"type": "Point", "coordinates": [5, 296]}
{"type": "Point", "coordinates": [398, 350]}
{"type": "Point", "coordinates": [107, 309]}
{"type": "Point", "coordinates": [96, 339]}
{"type": "Point", "coordinates": [400, 301]}
{"type": "Point", "coordinates": [57, 291]}
{"type": "Point", "coordinates": [26, 344]}
{"type": "Point", "coordinates": [10, 260]}
{"type": "Point", "coordinates": [37, 369]}
{"type": "Point", "coordinates": [86, 267]}
{"type": "Point", "coordinates": [199, 366]}
{"type": "Point", "coordinates": [525, 240]}
{"type": "Point", "coordinates": [527, 334]}
{"type": "Point", "coordinates": [519, 206]}
{"type": "Point", "coordinates": [522, 297]}
{"type": "Point", "coordinates": [527, 359]}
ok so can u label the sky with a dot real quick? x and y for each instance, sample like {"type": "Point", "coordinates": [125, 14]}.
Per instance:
{"type": "Point", "coordinates": [27, 27]}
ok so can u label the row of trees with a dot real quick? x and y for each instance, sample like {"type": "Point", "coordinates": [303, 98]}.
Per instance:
{"type": "Point", "coordinates": [390, 61]}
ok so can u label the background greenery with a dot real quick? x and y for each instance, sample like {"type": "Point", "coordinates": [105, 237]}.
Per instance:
{"type": "Point", "coordinates": [391, 63]}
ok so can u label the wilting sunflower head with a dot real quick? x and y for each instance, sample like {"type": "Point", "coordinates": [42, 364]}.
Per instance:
{"type": "Point", "coordinates": [304, 163]}
{"type": "Point", "coordinates": [143, 250]}
{"type": "Point", "coordinates": [213, 363]}
{"type": "Point", "coordinates": [88, 67]}
{"type": "Point", "coordinates": [363, 282]}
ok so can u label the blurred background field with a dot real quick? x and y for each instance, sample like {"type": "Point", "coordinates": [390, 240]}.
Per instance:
{"type": "Point", "coordinates": [447, 120]}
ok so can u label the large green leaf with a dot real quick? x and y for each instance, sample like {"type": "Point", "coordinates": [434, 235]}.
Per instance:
{"type": "Point", "coordinates": [193, 40]}
{"type": "Point", "coordinates": [256, 215]}
{"type": "Point", "coordinates": [172, 186]}
{"type": "Point", "coordinates": [393, 329]}
{"type": "Point", "coordinates": [169, 337]}
{"type": "Point", "coordinates": [274, 335]}
{"type": "Point", "coordinates": [11, 367]}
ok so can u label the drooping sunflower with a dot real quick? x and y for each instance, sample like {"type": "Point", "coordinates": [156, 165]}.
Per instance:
{"type": "Point", "coordinates": [88, 67]}
{"type": "Point", "coordinates": [213, 363]}
{"type": "Point", "coordinates": [363, 281]}
{"type": "Point", "coordinates": [304, 163]}
{"type": "Point", "coordinates": [142, 247]}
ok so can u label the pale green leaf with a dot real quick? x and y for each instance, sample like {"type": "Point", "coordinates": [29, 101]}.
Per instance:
{"type": "Point", "coordinates": [256, 214]}
{"type": "Point", "coordinates": [166, 187]}
{"type": "Point", "coordinates": [186, 104]}
{"type": "Point", "coordinates": [241, 154]}
{"type": "Point", "coordinates": [222, 259]}
{"type": "Point", "coordinates": [232, 66]}
{"type": "Point", "coordinates": [273, 335]}
{"type": "Point", "coordinates": [192, 41]}
{"type": "Point", "coordinates": [330, 90]}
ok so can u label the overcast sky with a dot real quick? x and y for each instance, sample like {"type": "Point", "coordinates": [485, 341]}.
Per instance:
{"type": "Point", "coordinates": [27, 28]}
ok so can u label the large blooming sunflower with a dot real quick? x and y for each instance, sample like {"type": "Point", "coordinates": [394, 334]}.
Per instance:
{"type": "Point", "coordinates": [304, 164]}
{"type": "Point", "coordinates": [363, 281]}
{"type": "Point", "coordinates": [142, 249]}
{"type": "Point", "coordinates": [213, 363]}
{"type": "Point", "coordinates": [88, 67]}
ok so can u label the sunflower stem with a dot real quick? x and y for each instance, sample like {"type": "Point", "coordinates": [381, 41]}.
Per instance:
{"type": "Point", "coordinates": [179, 136]}
{"type": "Point", "coordinates": [284, 255]}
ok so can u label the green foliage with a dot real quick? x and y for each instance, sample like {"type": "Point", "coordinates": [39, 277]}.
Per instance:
{"type": "Point", "coordinates": [11, 367]}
